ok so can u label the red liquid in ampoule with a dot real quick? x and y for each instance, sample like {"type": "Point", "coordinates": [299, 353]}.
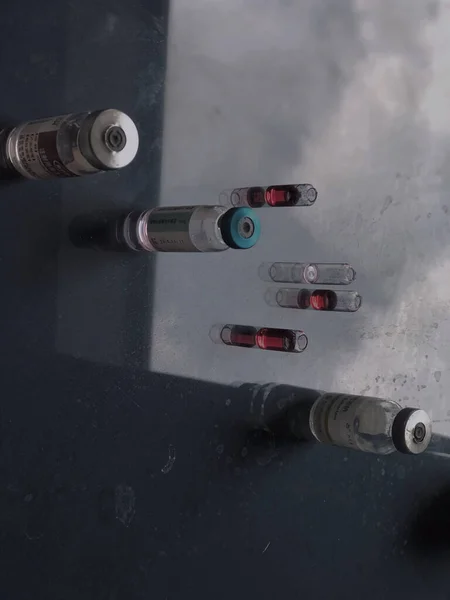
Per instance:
{"type": "Point", "coordinates": [265, 338]}
{"type": "Point", "coordinates": [323, 300]}
{"type": "Point", "coordinates": [276, 339]}
{"type": "Point", "coordinates": [282, 195]}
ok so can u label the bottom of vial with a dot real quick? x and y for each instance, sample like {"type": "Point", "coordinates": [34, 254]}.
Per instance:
{"type": "Point", "coordinates": [7, 171]}
{"type": "Point", "coordinates": [100, 230]}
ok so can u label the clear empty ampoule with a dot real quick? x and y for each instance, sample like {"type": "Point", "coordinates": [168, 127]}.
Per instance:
{"type": "Point", "coordinates": [327, 300]}
{"type": "Point", "coordinates": [322, 273]}
{"type": "Point", "coordinates": [265, 338]}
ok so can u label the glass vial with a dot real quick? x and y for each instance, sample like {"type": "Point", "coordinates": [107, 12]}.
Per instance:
{"type": "Point", "coordinates": [302, 194]}
{"type": "Point", "coordinates": [175, 229]}
{"type": "Point", "coordinates": [326, 300]}
{"type": "Point", "coordinates": [321, 273]}
{"type": "Point", "coordinates": [265, 338]}
{"type": "Point", "coordinates": [360, 422]}
{"type": "Point", "coordinates": [70, 145]}
{"type": "Point", "coordinates": [369, 424]}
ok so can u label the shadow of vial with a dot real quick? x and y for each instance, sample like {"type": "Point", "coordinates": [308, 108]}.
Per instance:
{"type": "Point", "coordinates": [100, 230]}
{"type": "Point", "coordinates": [429, 529]}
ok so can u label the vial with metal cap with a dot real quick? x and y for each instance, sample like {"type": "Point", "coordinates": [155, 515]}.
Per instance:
{"type": "Point", "coordinates": [171, 229]}
{"type": "Point", "coordinates": [299, 194]}
{"type": "Point", "coordinates": [368, 424]}
{"type": "Point", "coordinates": [70, 145]}
{"type": "Point", "coordinates": [363, 423]}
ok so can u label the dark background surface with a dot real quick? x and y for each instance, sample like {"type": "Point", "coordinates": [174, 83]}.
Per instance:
{"type": "Point", "coordinates": [90, 504]}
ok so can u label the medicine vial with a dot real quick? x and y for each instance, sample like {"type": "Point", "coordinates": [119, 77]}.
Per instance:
{"type": "Point", "coordinates": [265, 338]}
{"type": "Point", "coordinates": [301, 194]}
{"type": "Point", "coordinates": [363, 423]}
{"type": "Point", "coordinates": [310, 273]}
{"type": "Point", "coordinates": [324, 300]}
{"type": "Point", "coordinates": [69, 145]}
{"type": "Point", "coordinates": [369, 424]}
{"type": "Point", "coordinates": [171, 229]}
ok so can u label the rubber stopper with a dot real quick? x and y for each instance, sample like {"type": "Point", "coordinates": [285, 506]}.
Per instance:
{"type": "Point", "coordinates": [411, 431]}
{"type": "Point", "coordinates": [240, 228]}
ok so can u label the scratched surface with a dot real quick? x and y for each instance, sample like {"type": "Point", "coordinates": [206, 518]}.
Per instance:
{"type": "Point", "coordinates": [119, 477]}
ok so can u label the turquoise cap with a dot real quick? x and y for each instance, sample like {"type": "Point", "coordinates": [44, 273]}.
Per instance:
{"type": "Point", "coordinates": [240, 228]}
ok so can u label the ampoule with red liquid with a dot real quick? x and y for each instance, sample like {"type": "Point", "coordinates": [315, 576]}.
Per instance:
{"type": "Point", "coordinates": [322, 300]}
{"type": "Point", "coordinates": [301, 194]}
{"type": "Point", "coordinates": [265, 338]}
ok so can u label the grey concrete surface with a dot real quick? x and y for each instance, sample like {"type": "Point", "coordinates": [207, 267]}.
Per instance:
{"type": "Point", "coordinates": [118, 482]}
{"type": "Point", "coordinates": [351, 96]}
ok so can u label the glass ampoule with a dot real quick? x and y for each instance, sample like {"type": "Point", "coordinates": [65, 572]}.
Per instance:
{"type": "Point", "coordinates": [265, 338]}
{"type": "Point", "coordinates": [249, 196]}
{"type": "Point", "coordinates": [310, 273]}
{"type": "Point", "coordinates": [301, 194]}
{"type": "Point", "coordinates": [322, 300]}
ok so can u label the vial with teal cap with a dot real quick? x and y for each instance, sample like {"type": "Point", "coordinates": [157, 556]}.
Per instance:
{"type": "Point", "coordinates": [174, 229]}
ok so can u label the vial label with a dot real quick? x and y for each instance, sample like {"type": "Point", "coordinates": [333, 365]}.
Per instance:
{"type": "Point", "coordinates": [168, 229]}
{"type": "Point", "coordinates": [333, 419]}
{"type": "Point", "coordinates": [35, 148]}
